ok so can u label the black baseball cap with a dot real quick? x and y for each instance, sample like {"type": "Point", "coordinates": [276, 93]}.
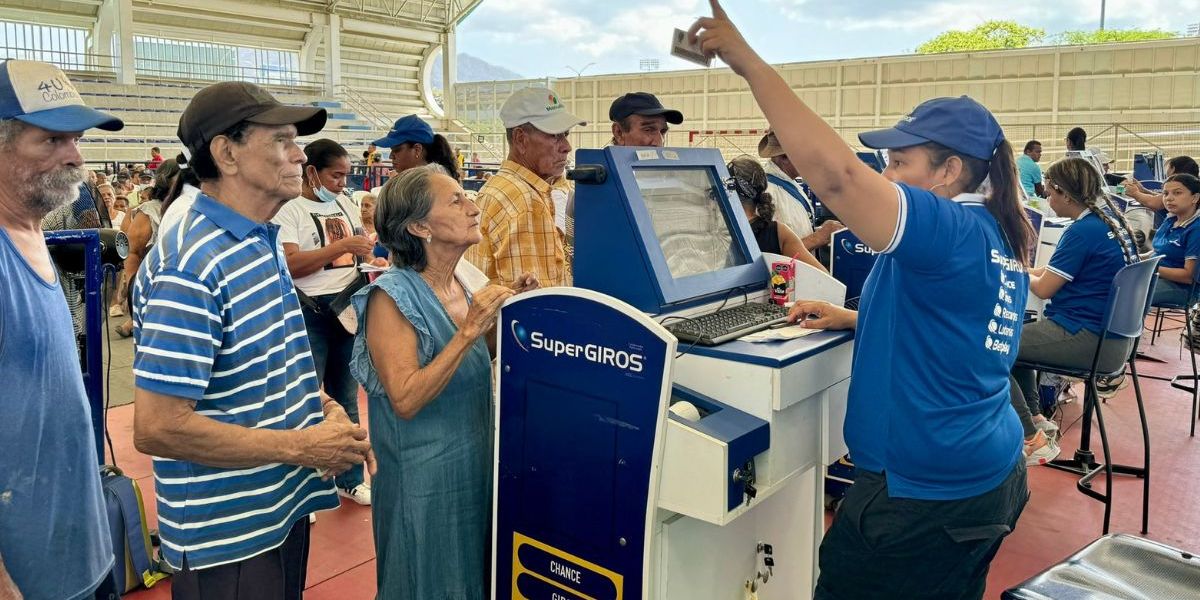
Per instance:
{"type": "Point", "coordinates": [642, 103]}
{"type": "Point", "coordinates": [216, 108]}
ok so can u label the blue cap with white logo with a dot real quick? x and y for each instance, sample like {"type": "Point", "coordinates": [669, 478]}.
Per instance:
{"type": "Point", "coordinates": [960, 124]}
{"type": "Point", "coordinates": [407, 129]}
{"type": "Point", "coordinates": [40, 94]}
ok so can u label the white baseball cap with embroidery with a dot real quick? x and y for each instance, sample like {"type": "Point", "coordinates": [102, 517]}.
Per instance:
{"type": "Point", "coordinates": [539, 107]}
{"type": "Point", "coordinates": [40, 94]}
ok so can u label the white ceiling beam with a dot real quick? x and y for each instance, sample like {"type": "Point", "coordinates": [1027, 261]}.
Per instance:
{"type": "Point", "coordinates": [201, 33]}
{"type": "Point", "coordinates": [26, 15]}
{"type": "Point", "coordinates": [391, 32]}
{"type": "Point", "coordinates": [230, 7]}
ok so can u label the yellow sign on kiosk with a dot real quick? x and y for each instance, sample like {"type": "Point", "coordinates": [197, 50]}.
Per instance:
{"type": "Point", "coordinates": [543, 572]}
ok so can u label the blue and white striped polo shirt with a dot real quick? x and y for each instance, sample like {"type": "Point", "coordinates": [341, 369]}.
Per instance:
{"type": "Point", "coordinates": [218, 322]}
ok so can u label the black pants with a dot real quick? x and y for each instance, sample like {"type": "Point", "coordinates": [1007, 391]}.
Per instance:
{"type": "Point", "coordinates": [884, 547]}
{"type": "Point", "coordinates": [277, 574]}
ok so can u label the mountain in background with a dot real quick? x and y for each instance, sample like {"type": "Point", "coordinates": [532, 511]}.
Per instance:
{"type": "Point", "coordinates": [471, 69]}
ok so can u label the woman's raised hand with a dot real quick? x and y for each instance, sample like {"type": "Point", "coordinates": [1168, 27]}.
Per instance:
{"type": "Point", "coordinates": [482, 315]}
{"type": "Point", "coordinates": [718, 36]}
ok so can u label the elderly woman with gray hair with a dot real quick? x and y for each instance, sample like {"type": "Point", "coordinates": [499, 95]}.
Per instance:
{"type": "Point", "coordinates": [422, 354]}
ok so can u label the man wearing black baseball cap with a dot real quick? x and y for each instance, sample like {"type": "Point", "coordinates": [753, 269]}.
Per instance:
{"type": "Point", "coordinates": [224, 375]}
{"type": "Point", "coordinates": [639, 119]}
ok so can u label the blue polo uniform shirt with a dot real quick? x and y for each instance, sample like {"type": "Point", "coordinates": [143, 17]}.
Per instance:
{"type": "Point", "coordinates": [937, 336]}
{"type": "Point", "coordinates": [218, 322]}
{"type": "Point", "coordinates": [1030, 174]}
{"type": "Point", "coordinates": [1088, 256]}
{"type": "Point", "coordinates": [1178, 242]}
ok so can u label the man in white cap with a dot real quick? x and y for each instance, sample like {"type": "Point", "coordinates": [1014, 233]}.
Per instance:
{"type": "Point", "coordinates": [517, 220]}
{"type": "Point", "coordinates": [54, 540]}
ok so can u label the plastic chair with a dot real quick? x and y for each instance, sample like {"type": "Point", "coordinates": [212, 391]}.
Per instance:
{"type": "Point", "coordinates": [1180, 382]}
{"type": "Point", "coordinates": [1115, 566]}
{"type": "Point", "coordinates": [1163, 311]}
{"type": "Point", "coordinates": [1124, 316]}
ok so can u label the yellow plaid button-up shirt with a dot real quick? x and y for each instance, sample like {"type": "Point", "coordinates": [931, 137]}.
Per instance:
{"type": "Point", "coordinates": [519, 235]}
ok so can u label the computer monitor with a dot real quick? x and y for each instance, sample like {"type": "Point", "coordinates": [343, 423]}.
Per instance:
{"type": "Point", "coordinates": [691, 226]}
{"type": "Point", "coordinates": [1089, 156]}
{"type": "Point", "coordinates": [657, 228]}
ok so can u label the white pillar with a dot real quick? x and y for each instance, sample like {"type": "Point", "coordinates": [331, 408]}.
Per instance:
{"type": "Point", "coordinates": [312, 41]}
{"type": "Point", "coordinates": [121, 14]}
{"type": "Point", "coordinates": [333, 55]}
{"type": "Point", "coordinates": [449, 73]}
{"type": "Point", "coordinates": [100, 44]}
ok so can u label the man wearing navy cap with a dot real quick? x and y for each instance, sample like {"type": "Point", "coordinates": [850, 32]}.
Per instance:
{"type": "Point", "coordinates": [54, 540]}
{"type": "Point", "coordinates": [639, 119]}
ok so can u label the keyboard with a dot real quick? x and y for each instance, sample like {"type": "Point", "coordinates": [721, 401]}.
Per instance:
{"type": "Point", "coordinates": [727, 324]}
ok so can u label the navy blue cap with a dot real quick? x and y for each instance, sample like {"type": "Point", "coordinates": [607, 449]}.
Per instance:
{"type": "Point", "coordinates": [40, 94]}
{"type": "Point", "coordinates": [961, 124]}
{"type": "Point", "coordinates": [642, 103]}
{"type": "Point", "coordinates": [407, 129]}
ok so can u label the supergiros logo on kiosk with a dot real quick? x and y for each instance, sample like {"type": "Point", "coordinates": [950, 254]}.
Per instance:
{"type": "Point", "coordinates": [603, 355]}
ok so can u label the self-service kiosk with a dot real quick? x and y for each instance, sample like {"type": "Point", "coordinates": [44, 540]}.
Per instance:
{"type": "Point", "coordinates": [631, 465]}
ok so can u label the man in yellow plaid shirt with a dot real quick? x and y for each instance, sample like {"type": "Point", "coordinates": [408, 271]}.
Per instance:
{"type": "Point", "coordinates": [517, 220]}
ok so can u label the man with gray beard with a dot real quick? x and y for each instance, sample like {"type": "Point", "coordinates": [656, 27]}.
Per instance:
{"type": "Point", "coordinates": [54, 540]}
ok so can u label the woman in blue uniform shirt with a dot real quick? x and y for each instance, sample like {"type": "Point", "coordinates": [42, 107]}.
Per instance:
{"type": "Point", "coordinates": [940, 470]}
{"type": "Point", "coordinates": [1178, 240]}
{"type": "Point", "coordinates": [1077, 281]}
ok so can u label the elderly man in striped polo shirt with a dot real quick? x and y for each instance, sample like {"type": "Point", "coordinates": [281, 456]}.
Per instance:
{"type": "Point", "coordinates": [226, 396]}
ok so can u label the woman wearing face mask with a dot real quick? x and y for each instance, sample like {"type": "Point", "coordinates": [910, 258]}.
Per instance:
{"type": "Point", "coordinates": [322, 237]}
{"type": "Point", "coordinates": [940, 472]}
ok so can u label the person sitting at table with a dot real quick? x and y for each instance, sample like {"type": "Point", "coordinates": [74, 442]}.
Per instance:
{"type": "Point", "coordinates": [750, 182]}
{"type": "Point", "coordinates": [1091, 251]}
{"type": "Point", "coordinates": [1178, 241]}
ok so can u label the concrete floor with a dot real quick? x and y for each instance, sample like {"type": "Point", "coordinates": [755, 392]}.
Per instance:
{"type": "Point", "coordinates": [1057, 521]}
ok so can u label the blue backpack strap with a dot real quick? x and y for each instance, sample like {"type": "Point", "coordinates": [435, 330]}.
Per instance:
{"type": "Point", "coordinates": [793, 191]}
{"type": "Point", "coordinates": [129, 500]}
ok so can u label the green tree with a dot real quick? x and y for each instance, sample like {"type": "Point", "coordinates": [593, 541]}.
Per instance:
{"type": "Point", "coordinates": [1104, 36]}
{"type": "Point", "coordinates": [990, 35]}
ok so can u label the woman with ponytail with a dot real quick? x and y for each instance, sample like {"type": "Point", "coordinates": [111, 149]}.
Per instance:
{"type": "Point", "coordinates": [182, 188]}
{"type": "Point", "coordinates": [1077, 280]}
{"type": "Point", "coordinates": [414, 144]}
{"type": "Point", "coordinates": [750, 182]}
{"type": "Point", "coordinates": [940, 473]}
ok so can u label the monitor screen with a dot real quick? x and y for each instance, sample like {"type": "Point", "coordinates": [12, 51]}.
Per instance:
{"type": "Point", "coordinates": [692, 229]}
{"type": "Point", "coordinates": [1089, 156]}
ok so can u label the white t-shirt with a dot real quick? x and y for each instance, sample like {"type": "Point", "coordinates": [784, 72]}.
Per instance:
{"type": "Point", "coordinates": [117, 220]}
{"type": "Point", "coordinates": [179, 207]}
{"type": "Point", "coordinates": [312, 225]}
{"type": "Point", "coordinates": [788, 210]}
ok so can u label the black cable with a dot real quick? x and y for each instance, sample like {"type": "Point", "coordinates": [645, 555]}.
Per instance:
{"type": "Point", "coordinates": [108, 371]}
{"type": "Point", "coordinates": [1083, 406]}
{"type": "Point", "coordinates": [728, 294]}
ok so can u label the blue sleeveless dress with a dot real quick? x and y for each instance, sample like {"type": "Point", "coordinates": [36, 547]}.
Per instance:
{"type": "Point", "coordinates": [431, 498]}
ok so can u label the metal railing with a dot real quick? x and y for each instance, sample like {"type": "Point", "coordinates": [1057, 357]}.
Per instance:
{"type": "Point", "coordinates": [107, 65]}
{"type": "Point", "coordinates": [198, 71]}
{"type": "Point", "coordinates": [67, 60]}
{"type": "Point", "coordinates": [363, 107]}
